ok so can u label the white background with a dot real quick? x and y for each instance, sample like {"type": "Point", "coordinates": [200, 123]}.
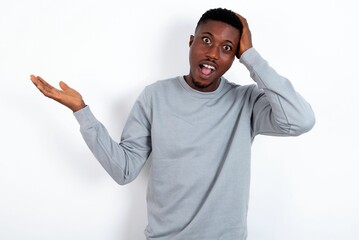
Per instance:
{"type": "Point", "coordinates": [51, 187]}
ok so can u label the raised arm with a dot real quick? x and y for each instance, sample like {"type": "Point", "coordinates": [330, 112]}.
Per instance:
{"type": "Point", "coordinates": [278, 108]}
{"type": "Point", "coordinates": [66, 95]}
{"type": "Point", "coordinates": [245, 42]}
{"type": "Point", "coordinates": [124, 160]}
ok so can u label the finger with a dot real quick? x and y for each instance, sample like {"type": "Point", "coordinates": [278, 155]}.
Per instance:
{"type": "Point", "coordinates": [45, 88]}
{"type": "Point", "coordinates": [38, 81]}
{"type": "Point", "coordinates": [35, 80]}
{"type": "Point", "coordinates": [242, 19]}
{"type": "Point", "coordinates": [44, 83]}
{"type": "Point", "coordinates": [63, 86]}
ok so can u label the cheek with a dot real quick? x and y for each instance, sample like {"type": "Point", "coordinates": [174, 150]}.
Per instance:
{"type": "Point", "coordinates": [198, 48]}
{"type": "Point", "coordinates": [227, 61]}
{"type": "Point", "coordinates": [195, 54]}
{"type": "Point", "coordinates": [191, 56]}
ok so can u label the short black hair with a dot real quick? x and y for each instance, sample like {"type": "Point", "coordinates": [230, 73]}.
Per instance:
{"type": "Point", "coordinates": [222, 15]}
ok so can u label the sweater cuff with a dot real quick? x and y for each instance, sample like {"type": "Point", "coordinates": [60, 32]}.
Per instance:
{"type": "Point", "coordinates": [250, 58]}
{"type": "Point", "coordinates": [85, 118]}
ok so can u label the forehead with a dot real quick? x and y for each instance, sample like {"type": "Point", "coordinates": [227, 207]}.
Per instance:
{"type": "Point", "coordinates": [218, 29]}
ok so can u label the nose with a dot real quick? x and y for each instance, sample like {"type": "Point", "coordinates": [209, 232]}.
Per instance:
{"type": "Point", "coordinates": [213, 52]}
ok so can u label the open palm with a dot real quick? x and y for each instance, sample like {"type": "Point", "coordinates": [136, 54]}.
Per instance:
{"type": "Point", "coordinates": [66, 95]}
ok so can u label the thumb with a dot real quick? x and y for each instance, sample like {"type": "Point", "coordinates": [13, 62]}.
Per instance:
{"type": "Point", "coordinates": [63, 86]}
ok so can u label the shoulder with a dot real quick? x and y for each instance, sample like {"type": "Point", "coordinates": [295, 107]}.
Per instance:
{"type": "Point", "coordinates": [244, 94]}
{"type": "Point", "coordinates": [162, 86]}
{"type": "Point", "coordinates": [163, 83]}
{"type": "Point", "coordinates": [161, 89]}
{"type": "Point", "coordinates": [238, 89]}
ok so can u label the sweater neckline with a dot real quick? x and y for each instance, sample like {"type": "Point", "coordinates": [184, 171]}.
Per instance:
{"type": "Point", "coordinates": [200, 94]}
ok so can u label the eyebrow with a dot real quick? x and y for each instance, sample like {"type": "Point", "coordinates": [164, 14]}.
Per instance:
{"type": "Point", "coordinates": [208, 33]}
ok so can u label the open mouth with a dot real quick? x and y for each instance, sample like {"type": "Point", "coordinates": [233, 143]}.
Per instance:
{"type": "Point", "coordinates": [207, 69]}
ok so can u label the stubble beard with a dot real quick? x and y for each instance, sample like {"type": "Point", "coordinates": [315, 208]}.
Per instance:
{"type": "Point", "coordinates": [199, 84]}
{"type": "Point", "coordinates": [204, 85]}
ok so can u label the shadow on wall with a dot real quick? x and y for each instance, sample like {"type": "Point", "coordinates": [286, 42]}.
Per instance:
{"type": "Point", "coordinates": [173, 47]}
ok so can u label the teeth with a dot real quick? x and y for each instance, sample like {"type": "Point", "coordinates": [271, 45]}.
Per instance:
{"type": "Point", "coordinates": [209, 66]}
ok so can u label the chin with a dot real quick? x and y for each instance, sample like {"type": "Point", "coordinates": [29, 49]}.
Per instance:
{"type": "Point", "coordinates": [201, 85]}
{"type": "Point", "coordinates": [206, 85]}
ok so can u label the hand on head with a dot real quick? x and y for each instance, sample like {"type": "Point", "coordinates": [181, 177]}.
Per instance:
{"type": "Point", "coordinates": [245, 42]}
{"type": "Point", "coordinates": [66, 95]}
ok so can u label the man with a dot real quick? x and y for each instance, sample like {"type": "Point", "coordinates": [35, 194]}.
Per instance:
{"type": "Point", "coordinates": [199, 129]}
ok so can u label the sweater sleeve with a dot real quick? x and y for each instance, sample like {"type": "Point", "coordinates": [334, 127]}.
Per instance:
{"type": "Point", "coordinates": [124, 160]}
{"type": "Point", "coordinates": [277, 108]}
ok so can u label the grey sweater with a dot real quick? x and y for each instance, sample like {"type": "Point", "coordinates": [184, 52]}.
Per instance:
{"type": "Point", "coordinates": [201, 148]}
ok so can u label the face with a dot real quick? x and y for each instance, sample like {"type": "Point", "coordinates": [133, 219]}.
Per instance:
{"type": "Point", "coordinates": [212, 52]}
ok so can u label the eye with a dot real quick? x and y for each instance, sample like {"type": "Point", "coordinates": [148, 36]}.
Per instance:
{"type": "Point", "coordinates": [206, 40]}
{"type": "Point", "coordinates": [227, 48]}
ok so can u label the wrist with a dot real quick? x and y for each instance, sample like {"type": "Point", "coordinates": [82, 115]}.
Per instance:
{"type": "Point", "coordinates": [78, 107]}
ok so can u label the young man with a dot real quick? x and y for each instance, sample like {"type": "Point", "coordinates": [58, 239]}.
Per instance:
{"type": "Point", "coordinates": [199, 129]}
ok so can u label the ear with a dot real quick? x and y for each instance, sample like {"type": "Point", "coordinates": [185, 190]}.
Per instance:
{"type": "Point", "coordinates": [238, 46]}
{"type": "Point", "coordinates": [237, 53]}
{"type": "Point", "coordinates": [191, 38]}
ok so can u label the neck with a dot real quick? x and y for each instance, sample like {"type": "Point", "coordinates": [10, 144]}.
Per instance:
{"type": "Point", "coordinates": [209, 86]}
